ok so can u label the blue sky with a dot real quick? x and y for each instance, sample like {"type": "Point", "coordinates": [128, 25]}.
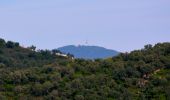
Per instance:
{"type": "Point", "coordinates": [123, 25]}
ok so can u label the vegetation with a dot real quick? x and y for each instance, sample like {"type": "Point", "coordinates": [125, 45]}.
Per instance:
{"type": "Point", "coordinates": [29, 74]}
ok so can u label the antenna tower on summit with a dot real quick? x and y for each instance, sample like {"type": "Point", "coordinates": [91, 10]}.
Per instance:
{"type": "Point", "coordinates": [86, 42]}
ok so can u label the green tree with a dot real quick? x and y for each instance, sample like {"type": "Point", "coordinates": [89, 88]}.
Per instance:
{"type": "Point", "coordinates": [33, 48]}
{"type": "Point", "coordinates": [2, 42]}
{"type": "Point", "coordinates": [147, 47]}
{"type": "Point", "coordinates": [10, 44]}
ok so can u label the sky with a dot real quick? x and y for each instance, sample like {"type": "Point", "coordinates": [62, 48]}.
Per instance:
{"type": "Point", "coordinates": [122, 25]}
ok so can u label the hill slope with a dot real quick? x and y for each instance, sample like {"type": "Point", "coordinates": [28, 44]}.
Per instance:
{"type": "Point", "coordinates": [140, 75]}
{"type": "Point", "coordinates": [13, 55]}
{"type": "Point", "coordinates": [88, 52]}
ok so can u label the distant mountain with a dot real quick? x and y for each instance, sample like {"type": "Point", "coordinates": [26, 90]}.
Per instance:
{"type": "Point", "coordinates": [88, 52]}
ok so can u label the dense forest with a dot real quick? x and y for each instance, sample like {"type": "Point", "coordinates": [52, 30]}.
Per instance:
{"type": "Point", "coordinates": [30, 74]}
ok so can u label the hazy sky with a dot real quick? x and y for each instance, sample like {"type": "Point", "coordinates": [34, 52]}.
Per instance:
{"type": "Point", "coordinates": [122, 25]}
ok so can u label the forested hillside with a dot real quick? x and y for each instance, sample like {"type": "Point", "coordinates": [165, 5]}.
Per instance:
{"type": "Point", "coordinates": [29, 74]}
{"type": "Point", "coordinates": [13, 55]}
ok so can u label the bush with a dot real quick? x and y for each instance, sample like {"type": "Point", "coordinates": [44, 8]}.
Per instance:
{"type": "Point", "coordinates": [10, 44]}
{"type": "Point", "coordinates": [2, 65]}
{"type": "Point", "coordinates": [2, 42]}
{"type": "Point", "coordinates": [79, 97]}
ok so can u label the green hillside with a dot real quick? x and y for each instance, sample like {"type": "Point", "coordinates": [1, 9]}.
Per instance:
{"type": "Point", "coordinates": [29, 74]}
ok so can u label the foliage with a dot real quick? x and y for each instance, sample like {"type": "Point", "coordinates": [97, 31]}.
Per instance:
{"type": "Point", "coordinates": [41, 75]}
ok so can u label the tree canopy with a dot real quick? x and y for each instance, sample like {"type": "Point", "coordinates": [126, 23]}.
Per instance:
{"type": "Point", "coordinates": [26, 73]}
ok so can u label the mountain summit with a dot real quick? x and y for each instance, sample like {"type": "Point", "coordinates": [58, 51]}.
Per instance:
{"type": "Point", "coordinates": [88, 52]}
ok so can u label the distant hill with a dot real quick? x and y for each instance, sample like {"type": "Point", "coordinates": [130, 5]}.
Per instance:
{"type": "Point", "coordinates": [88, 52]}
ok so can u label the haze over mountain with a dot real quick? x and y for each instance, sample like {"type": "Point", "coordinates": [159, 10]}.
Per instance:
{"type": "Point", "coordinates": [88, 52]}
